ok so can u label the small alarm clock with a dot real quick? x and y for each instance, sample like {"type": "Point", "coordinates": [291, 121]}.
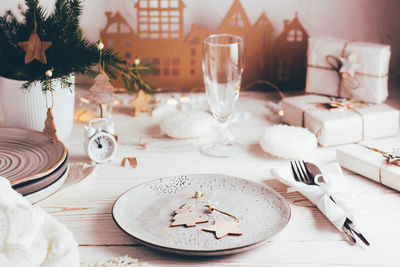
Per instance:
{"type": "Point", "coordinates": [100, 144]}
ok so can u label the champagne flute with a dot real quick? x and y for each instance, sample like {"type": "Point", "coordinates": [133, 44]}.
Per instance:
{"type": "Point", "coordinates": [222, 73]}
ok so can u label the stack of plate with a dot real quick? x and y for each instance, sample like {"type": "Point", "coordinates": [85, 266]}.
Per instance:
{"type": "Point", "coordinates": [35, 167]}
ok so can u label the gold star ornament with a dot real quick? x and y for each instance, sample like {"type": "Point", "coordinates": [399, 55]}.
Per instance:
{"type": "Point", "coordinates": [35, 49]}
{"type": "Point", "coordinates": [223, 228]}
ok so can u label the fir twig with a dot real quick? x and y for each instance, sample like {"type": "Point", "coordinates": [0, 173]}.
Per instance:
{"type": "Point", "coordinates": [70, 53]}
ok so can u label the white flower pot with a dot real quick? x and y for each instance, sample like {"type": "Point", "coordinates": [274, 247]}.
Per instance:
{"type": "Point", "coordinates": [27, 108]}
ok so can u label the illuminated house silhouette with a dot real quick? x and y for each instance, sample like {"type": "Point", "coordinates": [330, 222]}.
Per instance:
{"type": "Point", "coordinates": [176, 59]}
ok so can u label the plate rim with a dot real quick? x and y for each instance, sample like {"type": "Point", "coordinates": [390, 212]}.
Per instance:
{"type": "Point", "coordinates": [60, 169]}
{"type": "Point", "coordinates": [43, 173]}
{"type": "Point", "coordinates": [53, 188]}
{"type": "Point", "coordinates": [202, 252]}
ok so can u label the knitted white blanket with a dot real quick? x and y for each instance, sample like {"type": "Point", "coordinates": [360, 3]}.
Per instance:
{"type": "Point", "coordinates": [29, 237]}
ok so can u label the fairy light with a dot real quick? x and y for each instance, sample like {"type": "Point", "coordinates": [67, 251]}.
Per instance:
{"type": "Point", "coordinates": [137, 61]}
{"type": "Point", "coordinates": [84, 100]}
{"type": "Point", "coordinates": [172, 101]}
{"type": "Point", "coordinates": [49, 73]}
{"type": "Point", "coordinates": [184, 99]}
{"type": "Point", "coordinates": [100, 45]}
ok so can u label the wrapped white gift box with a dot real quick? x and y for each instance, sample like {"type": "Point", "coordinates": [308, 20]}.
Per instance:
{"type": "Point", "coordinates": [370, 63]}
{"type": "Point", "coordinates": [370, 163]}
{"type": "Point", "coordinates": [335, 127]}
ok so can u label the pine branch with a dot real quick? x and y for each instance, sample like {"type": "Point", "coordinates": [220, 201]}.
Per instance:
{"type": "Point", "coordinates": [69, 53]}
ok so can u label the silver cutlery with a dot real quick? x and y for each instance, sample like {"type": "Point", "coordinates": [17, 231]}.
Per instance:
{"type": "Point", "coordinates": [306, 173]}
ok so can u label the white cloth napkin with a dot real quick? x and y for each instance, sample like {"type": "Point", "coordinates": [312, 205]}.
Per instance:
{"type": "Point", "coordinates": [29, 237]}
{"type": "Point", "coordinates": [334, 186]}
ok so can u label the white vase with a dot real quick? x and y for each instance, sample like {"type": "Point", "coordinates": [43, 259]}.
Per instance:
{"type": "Point", "coordinates": [27, 108]}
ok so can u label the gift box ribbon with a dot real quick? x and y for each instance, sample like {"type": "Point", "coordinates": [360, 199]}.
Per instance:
{"type": "Point", "coordinates": [346, 81]}
{"type": "Point", "coordinates": [338, 104]}
{"type": "Point", "coordinates": [392, 158]}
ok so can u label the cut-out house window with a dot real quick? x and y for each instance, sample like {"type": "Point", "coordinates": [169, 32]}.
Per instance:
{"type": "Point", "coordinates": [175, 66]}
{"type": "Point", "coordinates": [155, 62]}
{"type": "Point", "coordinates": [295, 35]}
{"type": "Point", "coordinates": [236, 20]}
{"type": "Point", "coordinates": [159, 19]}
{"type": "Point", "coordinates": [195, 40]}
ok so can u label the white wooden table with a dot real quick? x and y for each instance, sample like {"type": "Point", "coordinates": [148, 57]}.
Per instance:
{"type": "Point", "coordinates": [308, 240]}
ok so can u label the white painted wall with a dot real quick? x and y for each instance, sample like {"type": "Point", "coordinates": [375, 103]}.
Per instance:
{"type": "Point", "coordinates": [364, 20]}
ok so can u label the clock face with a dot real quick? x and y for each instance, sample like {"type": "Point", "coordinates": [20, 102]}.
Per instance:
{"type": "Point", "coordinates": [101, 147]}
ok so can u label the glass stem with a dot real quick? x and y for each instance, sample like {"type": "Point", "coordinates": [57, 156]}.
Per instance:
{"type": "Point", "coordinates": [224, 135]}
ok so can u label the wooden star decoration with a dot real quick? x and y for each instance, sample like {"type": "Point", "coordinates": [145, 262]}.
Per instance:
{"type": "Point", "coordinates": [188, 219]}
{"type": "Point", "coordinates": [140, 103]}
{"type": "Point", "coordinates": [349, 66]}
{"type": "Point", "coordinates": [35, 49]}
{"type": "Point", "coordinates": [223, 228]}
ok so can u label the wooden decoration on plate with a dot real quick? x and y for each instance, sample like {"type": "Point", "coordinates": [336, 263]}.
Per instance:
{"type": "Point", "coordinates": [290, 56]}
{"type": "Point", "coordinates": [223, 228]}
{"type": "Point", "coordinates": [34, 48]}
{"type": "Point", "coordinates": [175, 58]}
{"type": "Point", "coordinates": [49, 127]}
{"type": "Point", "coordinates": [140, 103]}
{"type": "Point", "coordinates": [188, 219]}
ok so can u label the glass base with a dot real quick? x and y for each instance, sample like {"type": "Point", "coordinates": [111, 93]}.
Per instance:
{"type": "Point", "coordinates": [225, 150]}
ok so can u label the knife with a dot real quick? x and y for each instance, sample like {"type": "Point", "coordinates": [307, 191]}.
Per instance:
{"type": "Point", "coordinates": [348, 226]}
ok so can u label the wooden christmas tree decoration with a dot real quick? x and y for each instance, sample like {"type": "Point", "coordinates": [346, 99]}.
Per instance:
{"type": "Point", "coordinates": [223, 228]}
{"type": "Point", "coordinates": [182, 210]}
{"type": "Point", "coordinates": [188, 219]}
{"type": "Point", "coordinates": [49, 127]}
{"type": "Point", "coordinates": [140, 103]}
{"type": "Point", "coordinates": [102, 92]}
{"type": "Point", "coordinates": [34, 48]}
{"type": "Point", "coordinates": [290, 56]}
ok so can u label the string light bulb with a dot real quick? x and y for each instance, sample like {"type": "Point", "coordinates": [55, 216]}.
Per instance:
{"type": "Point", "coordinates": [49, 73]}
{"type": "Point", "coordinates": [100, 45]}
{"type": "Point", "coordinates": [137, 61]}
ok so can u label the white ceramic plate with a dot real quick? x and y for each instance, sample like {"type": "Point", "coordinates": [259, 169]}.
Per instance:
{"type": "Point", "coordinates": [145, 212]}
{"type": "Point", "coordinates": [48, 190]}
{"type": "Point", "coordinates": [27, 155]}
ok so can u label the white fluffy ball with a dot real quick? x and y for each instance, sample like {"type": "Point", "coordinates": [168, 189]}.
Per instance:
{"type": "Point", "coordinates": [288, 142]}
{"type": "Point", "coordinates": [186, 124]}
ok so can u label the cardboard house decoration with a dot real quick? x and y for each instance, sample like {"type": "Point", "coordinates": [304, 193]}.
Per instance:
{"type": "Point", "coordinates": [175, 58]}
{"type": "Point", "coordinates": [290, 56]}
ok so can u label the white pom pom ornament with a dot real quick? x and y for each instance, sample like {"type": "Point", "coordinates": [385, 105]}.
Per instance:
{"type": "Point", "coordinates": [288, 142]}
{"type": "Point", "coordinates": [186, 124]}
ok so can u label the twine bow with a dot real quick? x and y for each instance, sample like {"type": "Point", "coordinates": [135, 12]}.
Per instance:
{"type": "Point", "coordinates": [347, 82]}
{"type": "Point", "coordinates": [336, 103]}
{"type": "Point", "coordinates": [392, 158]}
{"type": "Point", "coordinates": [340, 104]}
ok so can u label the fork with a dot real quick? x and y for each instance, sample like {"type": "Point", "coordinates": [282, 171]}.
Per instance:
{"type": "Point", "coordinates": [302, 174]}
